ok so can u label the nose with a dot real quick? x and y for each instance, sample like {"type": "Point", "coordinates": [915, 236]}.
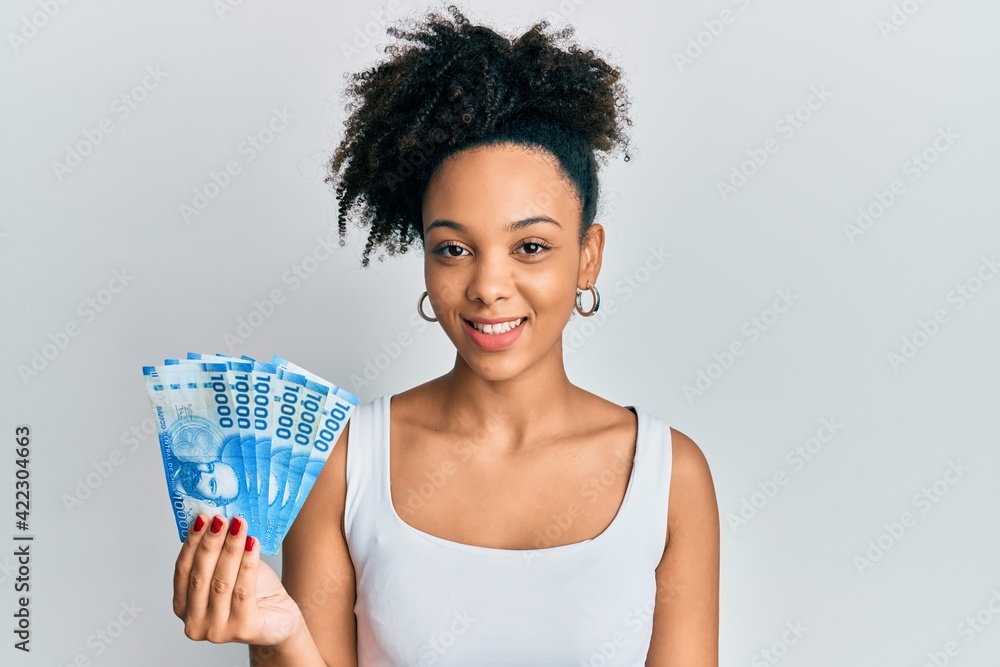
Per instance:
{"type": "Point", "coordinates": [491, 278]}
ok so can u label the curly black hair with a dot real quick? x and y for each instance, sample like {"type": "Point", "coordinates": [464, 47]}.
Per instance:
{"type": "Point", "coordinates": [463, 85]}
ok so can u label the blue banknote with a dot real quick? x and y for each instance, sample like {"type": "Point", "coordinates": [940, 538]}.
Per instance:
{"type": "Point", "coordinates": [201, 449]}
{"type": "Point", "coordinates": [299, 408]}
{"type": "Point", "coordinates": [238, 375]}
{"type": "Point", "coordinates": [263, 382]}
{"type": "Point", "coordinates": [241, 437]}
{"type": "Point", "coordinates": [338, 408]}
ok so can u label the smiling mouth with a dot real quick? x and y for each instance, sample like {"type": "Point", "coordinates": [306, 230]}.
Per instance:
{"type": "Point", "coordinates": [500, 328]}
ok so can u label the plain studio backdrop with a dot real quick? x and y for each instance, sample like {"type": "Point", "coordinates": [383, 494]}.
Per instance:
{"type": "Point", "coordinates": [801, 273]}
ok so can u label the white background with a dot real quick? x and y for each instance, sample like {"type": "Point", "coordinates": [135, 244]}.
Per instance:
{"type": "Point", "coordinates": [786, 228]}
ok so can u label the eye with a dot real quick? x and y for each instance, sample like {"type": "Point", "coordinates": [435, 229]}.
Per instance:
{"type": "Point", "coordinates": [443, 249]}
{"type": "Point", "coordinates": [535, 246]}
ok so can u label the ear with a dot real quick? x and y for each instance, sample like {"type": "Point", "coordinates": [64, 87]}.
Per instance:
{"type": "Point", "coordinates": [591, 253]}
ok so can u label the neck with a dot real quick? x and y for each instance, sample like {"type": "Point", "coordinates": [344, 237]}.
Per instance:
{"type": "Point", "coordinates": [514, 409]}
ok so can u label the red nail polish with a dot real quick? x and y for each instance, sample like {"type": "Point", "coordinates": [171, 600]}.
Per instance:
{"type": "Point", "coordinates": [217, 524]}
{"type": "Point", "coordinates": [249, 546]}
{"type": "Point", "coordinates": [199, 523]}
{"type": "Point", "coordinates": [234, 527]}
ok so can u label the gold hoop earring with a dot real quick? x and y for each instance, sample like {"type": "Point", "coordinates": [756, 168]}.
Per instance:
{"type": "Point", "coordinates": [597, 301]}
{"type": "Point", "coordinates": [420, 308]}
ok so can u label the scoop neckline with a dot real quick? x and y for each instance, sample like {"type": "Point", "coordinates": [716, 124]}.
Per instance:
{"type": "Point", "coordinates": [496, 551]}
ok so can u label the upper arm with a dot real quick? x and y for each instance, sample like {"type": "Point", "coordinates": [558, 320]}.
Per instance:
{"type": "Point", "coordinates": [686, 613]}
{"type": "Point", "coordinates": [317, 570]}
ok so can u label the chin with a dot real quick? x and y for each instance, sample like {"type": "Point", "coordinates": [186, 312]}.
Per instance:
{"type": "Point", "coordinates": [492, 369]}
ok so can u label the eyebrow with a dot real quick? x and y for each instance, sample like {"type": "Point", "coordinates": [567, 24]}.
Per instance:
{"type": "Point", "coordinates": [451, 224]}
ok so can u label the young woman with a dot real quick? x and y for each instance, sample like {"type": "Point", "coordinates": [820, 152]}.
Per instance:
{"type": "Point", "coordinates": [497, 514]}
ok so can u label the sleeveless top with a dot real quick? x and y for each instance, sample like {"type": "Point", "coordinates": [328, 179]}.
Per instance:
{"type": "Point", "coordinates": [424, 600]}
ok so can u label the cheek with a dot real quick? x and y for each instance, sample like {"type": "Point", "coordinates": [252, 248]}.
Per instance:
{"type": "Point", "coordinates": [549, 293]}
{"type": "Point", "coordinates": [448, 292]}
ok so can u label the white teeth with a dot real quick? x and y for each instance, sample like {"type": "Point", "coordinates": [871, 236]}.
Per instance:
{"type": "Point", "coordinates": [500, 328]}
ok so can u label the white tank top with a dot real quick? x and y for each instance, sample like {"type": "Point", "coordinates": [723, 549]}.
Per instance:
{"type": "Point", "coordinates": [424, 600]}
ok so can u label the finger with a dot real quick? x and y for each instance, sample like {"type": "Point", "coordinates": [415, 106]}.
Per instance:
{"type": "Point", "coordinates": [203, 568]}
{"type": "Point", "coordinates": [244, 600]}
{"type": "Point", "coordinates": [182, 567]}
{"type": "Point", "coordinates": [224, 577]}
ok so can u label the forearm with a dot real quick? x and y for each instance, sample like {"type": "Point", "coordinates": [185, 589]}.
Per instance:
{"type": "Point", "coordinates": [298, 650]}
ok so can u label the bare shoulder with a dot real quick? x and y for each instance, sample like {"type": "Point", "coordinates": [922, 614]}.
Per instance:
{"type": "Point", "coordinates": [689, 464]}
{"type": "Point", "coordinates": [419, 404]}
{"type": "Point", "coordinates": [607, 415]}
{"type": "Point", "coordinates": [686, 615]}
{"type": "Point", "coordinates": [317, 570]}
{"type": "Point", "coordinates": [692, 499]}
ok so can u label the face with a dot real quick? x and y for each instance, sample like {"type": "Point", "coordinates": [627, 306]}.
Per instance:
{"type": "Point", "coordinates": [217, 481]}
{"type": "Point", "coordinates": [501, 242]}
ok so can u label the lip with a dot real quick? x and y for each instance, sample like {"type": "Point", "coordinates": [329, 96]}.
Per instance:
{"type": "Point", "coordinates": [480, 320]}
{"type": "Point", "coordinates": [493, 342]}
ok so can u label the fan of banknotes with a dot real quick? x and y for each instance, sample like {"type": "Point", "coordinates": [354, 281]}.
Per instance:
{"type": "Point", "coordinates": [240, 437]}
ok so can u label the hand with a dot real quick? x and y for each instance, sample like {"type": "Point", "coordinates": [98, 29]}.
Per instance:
{"type": "Point", "coordinates": [224, 593]}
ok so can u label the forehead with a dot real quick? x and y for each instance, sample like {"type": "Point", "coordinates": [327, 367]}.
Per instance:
{"type": "Point", "coordinates": [493, 185]}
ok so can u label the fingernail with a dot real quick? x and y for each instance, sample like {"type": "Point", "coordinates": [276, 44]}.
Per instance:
{"type": "Point", "coordinates": [199, 523]}
{"type": "Point", "coordinates": [249, 546]}
{"type": "Point", "coordinates": [217, 524]}
{"type": "Point", "coordinates": [234, 527]}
